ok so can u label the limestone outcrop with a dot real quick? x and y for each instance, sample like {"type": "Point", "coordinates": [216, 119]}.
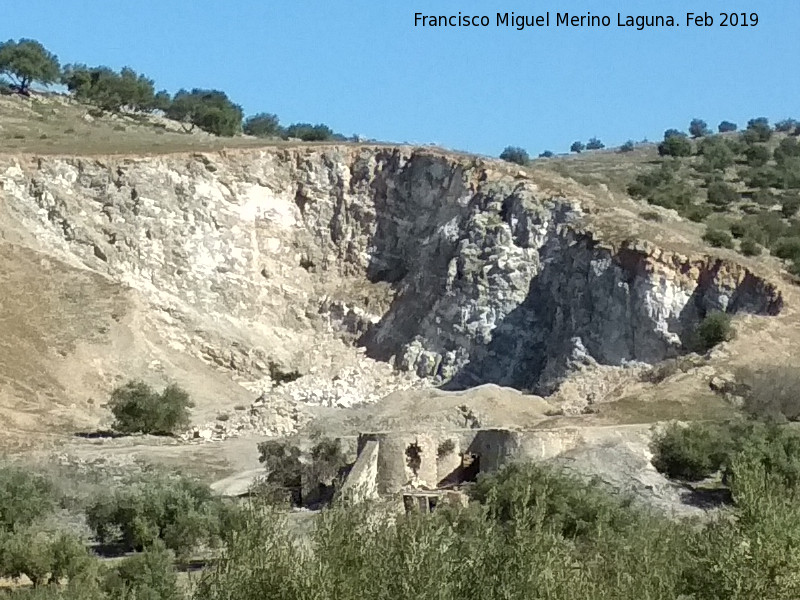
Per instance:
{"type": "Point", "coordinates": [450, 268]}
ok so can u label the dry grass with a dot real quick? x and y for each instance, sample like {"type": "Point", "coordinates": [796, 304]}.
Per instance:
{"type": "Point", "coordinates": [56, 124]}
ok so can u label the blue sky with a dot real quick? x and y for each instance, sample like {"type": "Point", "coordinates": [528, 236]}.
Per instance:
{"type": "Point", "coordinates": [362, 67]}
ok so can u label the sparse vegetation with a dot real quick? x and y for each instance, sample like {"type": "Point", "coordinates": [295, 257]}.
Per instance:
{"type": "Point", "coordinates": [139, 409]}
{"type": "Point", "coordinates": [772, 393]}
{"type": "Point", "coordinates": [446, 448]}
{"type": "Point", "coordinates": [714, 329]}
{"type": "Point", "coordinates": [280, 376]}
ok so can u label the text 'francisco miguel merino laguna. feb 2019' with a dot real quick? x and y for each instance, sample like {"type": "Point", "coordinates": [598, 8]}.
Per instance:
{"type": "Point", "coordinates": [565, 19]}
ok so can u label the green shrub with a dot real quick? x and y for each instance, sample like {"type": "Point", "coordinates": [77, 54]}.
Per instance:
{"type": "Point", "coordinates": [365, 553]}
{"type": "Point", "coordinates": [697, 213]}
{"type": "Point", "coordinates": [263, 125]}
{"type": "Point", "coordinates": [762, 177]}
{"type": "Point", "coordinates": [149, 575]}
{"type": "Point", "coordinates": [138, 409]}
{"type": "Point", "coordinates": [717, 154]}
{"type": "Point", "coordinates": [718, 238]}
{"type": "Point", "coordinates": [309, 133]}
{"type": "Point", "coordinates": [282, 461]}
{"type": "Point", "coordinates": [573, 507]}
{"type": "Point", "coordinates": [721, 194]}
{"type": "Point", "coordinates": [24, 497]}
{"type": "Point", "coordinates": [786, 125]}
{"type": "Point", "coordinates": [691, 452]}
{"type": "Point", "coordinates": [646, 182]}
{"type": "Point", "coordinates": [300, 480]}
{"type": "Point", "coordinates": [790, 204]}
{"type": "Point", "coordinates": [675, 144]}
{"type": "Point", "coordinates": [209, 110]}
{"type": "Point", "coordinates": [713, 329]}
{"type": "Point", "coordinates": [698, 128]}
{"type": "Point", "coordinates": [771, 224]}
{"type": "Point", "coordinates": [758, 130]}
{"type": "Point", "coordinates": [726, 126]}
{"type": "Point", "coordinates": [112, 91]}
{"type": "Point", "coordinates": [595, 144]}
{"type": "Point", "coordinates": [787, 173]}
{"type": "Point", "coordinates": [738, 229]}
{"type": "Point", "coordinates": [787, 248]}
{"type": "Point", "coordinates": [546, 154]}
{"type": "Point", "coordinates": [178, 511]}
{"type": "Point", "coordinates": [651, 215]}
{"type": "Point", "coordinates": [42, 555]}
{"type": "Point", "coordinates": [749, 247]}
{"type": "Point", "coordinates": [787, 149]}
{"type": "Point", "coordinates": [757, 156]}
{"type": "Point", "coordinates": [628, 146]}
{"type": "Point", "coordinates": [771, 394]}
{"type": "Point", "coordinates": [577, 147]}
{"type": "Point", "coordinates": [515, 155]}
{"type": "Point", "coordinates": [765, 197]}
{"type": "Point", "coordinates": [736, 144]}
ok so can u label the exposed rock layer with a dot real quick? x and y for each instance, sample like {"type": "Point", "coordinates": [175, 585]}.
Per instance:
{"type": "Point", "coordinates": [451, 267]}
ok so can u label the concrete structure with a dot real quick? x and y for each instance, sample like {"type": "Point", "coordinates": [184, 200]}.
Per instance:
{"type": "Point", "coordinates": [394, 462]}
{"type": "Point", "coordinates": [362, 481]}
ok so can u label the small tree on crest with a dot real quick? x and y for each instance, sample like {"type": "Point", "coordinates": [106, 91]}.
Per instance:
{"type": "Point", "coordinates": [26, 62]}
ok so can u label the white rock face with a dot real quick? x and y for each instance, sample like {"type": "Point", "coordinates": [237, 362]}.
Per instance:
{"type": "Point", "coordinates": [435, 264]}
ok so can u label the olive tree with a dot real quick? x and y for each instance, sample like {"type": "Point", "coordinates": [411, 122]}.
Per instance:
{"type": "Point", "coordinates": [27, 61]}
{"type": "Point", "coordinates": [263, 125]}
{"type": "Point", "coordinates": [515, 155]}
{"type": "Point", "coordinates": [698, 128]}
{"type": "Point", "coordinates": [209, 110]}
{"type": "Point", "coordinates": [139, 409]}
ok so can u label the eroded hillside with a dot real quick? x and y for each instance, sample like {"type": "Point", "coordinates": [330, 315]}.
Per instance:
{"type": "Point", "coordinates": [234, 266]}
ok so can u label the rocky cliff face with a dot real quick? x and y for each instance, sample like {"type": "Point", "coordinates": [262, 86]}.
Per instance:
{"type": "Point", "coordinates": [453, 268]}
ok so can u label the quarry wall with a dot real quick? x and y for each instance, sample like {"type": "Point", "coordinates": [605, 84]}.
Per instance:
{"type": "Point", "coordinates": [447, 267]}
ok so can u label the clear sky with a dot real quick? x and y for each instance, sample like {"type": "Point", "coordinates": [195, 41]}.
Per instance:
{"type": "Point", "coordinates": [361, 66]}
